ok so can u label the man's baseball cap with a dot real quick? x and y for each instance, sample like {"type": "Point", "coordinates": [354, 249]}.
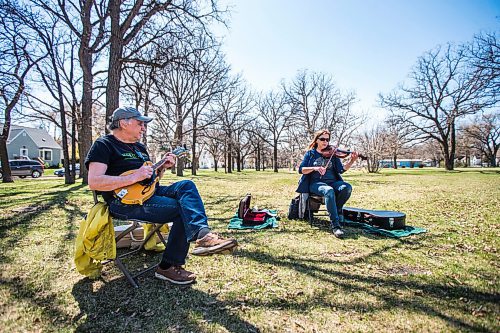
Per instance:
{"type": "Point", "coordinates": [129, 112]}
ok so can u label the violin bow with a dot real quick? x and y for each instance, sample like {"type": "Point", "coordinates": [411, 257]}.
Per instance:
{"type": "Point", "coordinates": [333, 153]}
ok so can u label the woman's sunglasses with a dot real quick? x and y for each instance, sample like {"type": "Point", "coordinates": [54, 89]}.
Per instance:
{"type": "Point", "coordinates": [324, 139]}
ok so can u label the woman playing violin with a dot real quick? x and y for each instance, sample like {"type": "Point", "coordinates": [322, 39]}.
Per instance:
{"type": "Point", "coordinates": [321, 175]}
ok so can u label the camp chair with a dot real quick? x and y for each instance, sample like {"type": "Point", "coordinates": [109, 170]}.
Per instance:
{"type": "Point", "coordinates": [133, 224]}
{"type": "Point", "coordinates": [313, 206]}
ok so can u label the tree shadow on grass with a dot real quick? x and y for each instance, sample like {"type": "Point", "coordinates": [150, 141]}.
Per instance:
{"type": "Point", "coordinates": [46, 304]}
{"type": "Point", "coordinates": [222, 205]}
{"type": "Point", "coordinates": [155, 306]}
{"type": "Point", "coordinates": [21, 221]}
{"type": "Point", "coordinates": [13, 193]}
{"type": "Point", "coordinates": [434, 299]}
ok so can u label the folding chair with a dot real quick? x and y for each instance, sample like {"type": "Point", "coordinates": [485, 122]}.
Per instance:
{"type": "Point", "coordinates": [313, 206]}
{"type": "Point", "coordinates": [134, 224]}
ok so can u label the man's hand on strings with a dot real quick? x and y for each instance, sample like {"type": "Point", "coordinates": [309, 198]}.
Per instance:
{"type": "Point", "coordinates": [144, 172]}
{"type": "Point", "coordinates": [170, 160]}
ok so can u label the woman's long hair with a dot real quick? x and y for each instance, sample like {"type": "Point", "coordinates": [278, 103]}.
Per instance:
{"type": "Point", "coordinates": [317, 134]}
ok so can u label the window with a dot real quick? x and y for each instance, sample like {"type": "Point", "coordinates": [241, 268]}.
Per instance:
{"type": "Point", "coordinates": [45, 154]}
{"type": "Point", "coordinates": [23, 151]}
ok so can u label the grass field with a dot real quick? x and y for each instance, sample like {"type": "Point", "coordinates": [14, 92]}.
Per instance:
{"type": "Point", "coordinates": [291, 279]}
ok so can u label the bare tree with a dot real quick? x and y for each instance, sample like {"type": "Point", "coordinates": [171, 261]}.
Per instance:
{"type": "Point", "coordinates": [302, 93]}
{"type": "Point", "coordinates": [139, 88]}
{"type": "Point", "coordinates": [209, 73]}
{"type": "Point", "coordinates": [233, 106]}
{"type": "Point", "coordinates": [17, 58]}
{"type": "Point", "coordinates": [484, 52]}
{"type": "Point", "coordinates": [485, 135]}
{"type": "Point", "coordinates": [138, 25]}
{"type": "Point", "coordinates": [86, 20]}
{"type": "Point", "coordinates": [398, 135]}
{"type": "Point", "coordinates": [275, 113]}
{"type": "Point", "coordinates": [319, 103]}
{"type": "Point", "coordinates": [188, 87]}
{"type": "Point", "coordinates": [296, 142]}
{"type": "Point", "coordinates": [51, 74]}
{"type": "Point", "coordinates": [372, 142]}
{"type": "Point", "coordinates": [214, 143]}
{"type": "Point", "coordinates": [444, 87]}
{"type": "Point", "coordinates": [258, 140]}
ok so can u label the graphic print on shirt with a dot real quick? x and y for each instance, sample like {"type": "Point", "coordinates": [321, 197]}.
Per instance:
{"type": "Point", "coordinates": [321, 161]}
{"type": "Point", "coordinates": [129, 156]}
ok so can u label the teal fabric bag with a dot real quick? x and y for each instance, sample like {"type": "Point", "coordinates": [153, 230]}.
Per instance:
{"type": "Point", "coordinates": [397, 233]}
{"type": "Point", "coordinates": [269, 222]}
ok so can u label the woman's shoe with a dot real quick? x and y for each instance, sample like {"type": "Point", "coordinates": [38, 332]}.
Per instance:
{"type": "Point", "coordinates": [337, 232]}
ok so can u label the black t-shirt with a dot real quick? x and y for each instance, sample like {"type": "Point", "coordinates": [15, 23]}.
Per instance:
{"type": "Point", "coordinates": [117, 155]}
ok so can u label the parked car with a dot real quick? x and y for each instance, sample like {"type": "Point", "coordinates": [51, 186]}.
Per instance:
{"type": "Point", "coordinates": [24, 168]}
{"type": "Point", "coordinates": [60, 172]}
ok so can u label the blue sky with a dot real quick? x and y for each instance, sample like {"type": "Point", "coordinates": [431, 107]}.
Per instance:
{"type": "Point", "coordinates": [369, 46]}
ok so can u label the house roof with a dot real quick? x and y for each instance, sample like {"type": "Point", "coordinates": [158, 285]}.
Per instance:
{"type": "Point", "coordinates": [40, 136]}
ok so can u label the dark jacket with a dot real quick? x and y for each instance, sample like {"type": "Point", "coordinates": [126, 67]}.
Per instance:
{"type": "Point", "coordinates": [308, 161]}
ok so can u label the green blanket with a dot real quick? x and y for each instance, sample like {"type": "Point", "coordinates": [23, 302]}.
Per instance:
{"type": "Point", "coordinates": [407, 231]}
{"type": "Point", "coordinates": [270, 222]}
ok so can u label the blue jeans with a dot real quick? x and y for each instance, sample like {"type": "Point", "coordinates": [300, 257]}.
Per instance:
{"type": "Point", "coordinates": [179, 203]}
{"type": "Point", "coordinates": [336, 195]}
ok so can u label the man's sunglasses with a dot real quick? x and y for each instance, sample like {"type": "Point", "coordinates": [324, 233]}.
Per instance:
{"type": "Point", "coordinates": [324, 139]}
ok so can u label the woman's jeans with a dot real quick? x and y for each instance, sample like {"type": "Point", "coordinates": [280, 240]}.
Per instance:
{"type": "Point", "coordinates": [336, 195]}
{"type": "Point", "coordinates": [179, 203]}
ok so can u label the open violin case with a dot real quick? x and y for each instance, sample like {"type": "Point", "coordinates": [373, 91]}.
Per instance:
{"type": "Point", "coordinates": [249, 215]}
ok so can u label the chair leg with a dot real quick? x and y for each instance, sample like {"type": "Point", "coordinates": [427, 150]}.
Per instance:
{"type": "Point", "coordinates": [125, 272]}
{"type": "Point", "coordinates": [311, 215]}
{"type": "Point", "coordinates": [121, 266]}
{"type": "Point", "coordinates": [160, 236]}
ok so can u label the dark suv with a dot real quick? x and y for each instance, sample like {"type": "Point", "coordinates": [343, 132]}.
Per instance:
{"type": "Point", "coordinates": [23, 168]}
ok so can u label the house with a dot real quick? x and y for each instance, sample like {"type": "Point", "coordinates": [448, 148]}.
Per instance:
{"type": "Point", "coordinates": [403, 163]}
{"type": "Point", "coordinates": [33, 143]}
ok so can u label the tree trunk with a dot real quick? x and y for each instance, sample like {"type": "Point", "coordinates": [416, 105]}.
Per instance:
{"type": "Point", "coordinates": [229, 163]}
{"type": "Point", "coordinates": [73, 140]}
{"type": "Point", "coordinates": [257, 160]}
{"type": "Point", "coordinates": [372, 164]}
{"type": "Point", "coordinates": [448, 162]}
{"type": "Point", "coordinates": [395, 161]}
{"type": "Point", "coordinates": [4, 155]}
{"type": "Point", "coordinates": [147, 105]}
{"type": "Point", "coordinates": [114, 64]}
{"type": "Point", "coordinates": [452, 147]}
{"type": "Point", "coordinates": [225, 158]}
{"type": "Point", "coordinates": [68, 179]}
{"type": "Point", "coordinates": [193, 150]}
{"type": "Point", "coordinates": [493, 161]}
{"type": "Point", "coordinates": [85, 58]}
{"type": "Point", "coordinates": [275, 155]}
{"type": "Point", "coordinates": [85, 130]}
{"type": "Point", "coordinates": [178, 138]}
{"type": "Point", "coordinates": [238, 161]}
{"type": "Point", "coordinates": [215, 164]}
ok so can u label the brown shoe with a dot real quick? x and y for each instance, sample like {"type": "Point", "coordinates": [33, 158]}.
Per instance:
{"type": "Point", "coordinates": [175, 275]}
{"type": "Point", "coordinates": [213, 243]}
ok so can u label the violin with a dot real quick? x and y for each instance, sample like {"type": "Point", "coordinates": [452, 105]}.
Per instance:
{"type": "Point", "coordinates": [330, 151]}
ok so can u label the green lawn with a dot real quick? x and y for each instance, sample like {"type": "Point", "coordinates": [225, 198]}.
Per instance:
{"type": "Point", "coordinates": [291, 279]}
